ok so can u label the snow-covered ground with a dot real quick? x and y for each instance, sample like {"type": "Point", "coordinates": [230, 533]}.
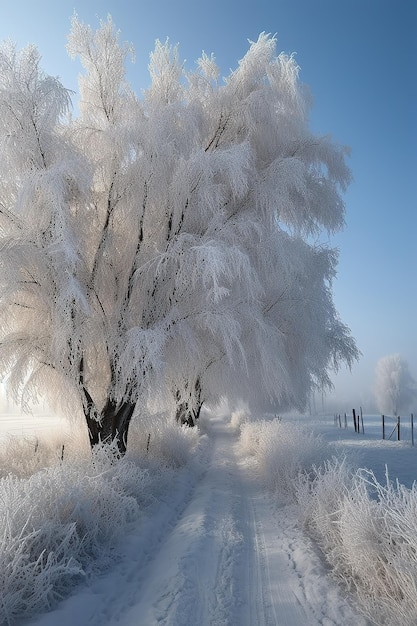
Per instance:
{"type": "Point", "coordinates": [217, 547]}
{"type": "Point", "coordinates": [369, 449]}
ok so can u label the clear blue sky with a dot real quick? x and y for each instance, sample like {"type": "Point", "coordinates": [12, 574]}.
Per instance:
{"type": "Point", "coordinates": [359, 58]}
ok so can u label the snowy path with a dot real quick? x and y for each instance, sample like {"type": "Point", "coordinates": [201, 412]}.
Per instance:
{"type": "Point", "coordinates": [220, 554]}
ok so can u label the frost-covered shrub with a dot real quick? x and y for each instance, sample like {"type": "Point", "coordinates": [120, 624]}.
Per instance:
{"type": "Point", "coordinates": [23, 456]}
{"type": "Point", "coordinates": [320, 493]}
{"type": "Point", "coordinates": [282, 450]}
{"type": "Point", "coordinates": [239, 417]}
{"type": "Point", "coordinates": [62, 523]}
{"type": "Point", "coordinates": [34, 578]}
{"type": "Point", "coordinates": [163, 440]}
{"type": "Point", "coordinates": [368, 534]}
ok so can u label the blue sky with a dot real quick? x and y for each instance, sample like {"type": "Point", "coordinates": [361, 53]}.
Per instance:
{"type": "Point", "coordinates": [359, 58]}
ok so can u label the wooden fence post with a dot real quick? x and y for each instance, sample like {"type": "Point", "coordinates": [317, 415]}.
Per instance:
{"type": "Point", "coordinates": [398, 428]}
{"type": "Point", "coordinates": [345, 420]}
{"type": "Point", "coordinates": [383, 427]}
{"type": "Point", "coordinates": [354, 420]}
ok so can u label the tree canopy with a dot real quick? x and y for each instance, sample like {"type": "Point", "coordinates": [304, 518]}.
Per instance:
{"type": "Point", "coordinates": [395, 388]}
{"type": "Point", "coordinates": [164, 244]}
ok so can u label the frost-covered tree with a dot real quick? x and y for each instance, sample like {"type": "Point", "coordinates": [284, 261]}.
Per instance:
{"type": "Point", "coordinates": [162, 244]}
{"type": "Point", "coordinates": [291, 336]}
{"type": "Point", "coordinates": [395, 388]}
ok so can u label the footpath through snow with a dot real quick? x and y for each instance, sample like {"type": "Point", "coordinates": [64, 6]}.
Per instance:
{"type": "Point", "coordinates": [218, 551]}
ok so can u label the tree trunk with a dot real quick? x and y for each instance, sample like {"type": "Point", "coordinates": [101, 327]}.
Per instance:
{"type": "Point", "coordinates": [188, 409]}
{"type": "Point", "coordinates": [112, 425]}
{"type": "Point", "coordinates": [185, 415]}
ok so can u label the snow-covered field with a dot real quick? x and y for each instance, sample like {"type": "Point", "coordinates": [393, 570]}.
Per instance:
{"type": "Point", "coordinates": [238, 523]}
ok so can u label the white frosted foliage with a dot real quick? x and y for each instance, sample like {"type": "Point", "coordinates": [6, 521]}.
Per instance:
{"type": "Point", "coordinates": [163, 242]}
{"type": "Point", "coordinates": [395, 389]}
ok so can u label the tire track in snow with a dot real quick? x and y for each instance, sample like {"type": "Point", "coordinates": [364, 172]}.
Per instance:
{"type": "Point", "coordinates": [293, 585]}
{"type": "Point", "coordinates": [271, 598]}
{"type": "Point", "coordinates": [192, 578]}
{"type": "Point", "coordinates": [156, 540]}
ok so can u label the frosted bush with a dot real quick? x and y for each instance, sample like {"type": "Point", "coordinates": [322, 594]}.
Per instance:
{"type": "Point", "coordinates": [239, 417]}
{"type": "Point", "coordinates": [282, 450]}
{"type": "Point", "coordinates": [250, 433]}
{"type": "Point", "coordinates": [367, 532]}
{"type": "Point", "coordinates": [320, 493]}
{"type": "Point", "coordinates": [62, 523]}
{"type": "Point", "coordinates": [163, 440]}
{"type": "Point", "coordinates": [23, 456]}
{"type": "Point", "coordinates": [379, 548]}
{"type": "Point", "coordinates": [32, 579]}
